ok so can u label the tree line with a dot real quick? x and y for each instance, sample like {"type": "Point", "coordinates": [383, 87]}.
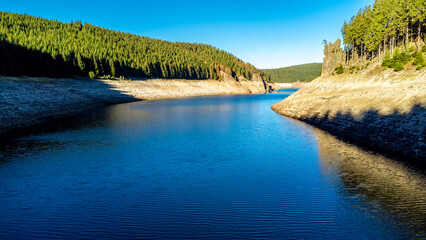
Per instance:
{"type": "Point", "coordinates": [35, 46]}
{"type": "Point", "coordinates": [302, 73]}
{"type": "Point", "coordinates": [380, 28]}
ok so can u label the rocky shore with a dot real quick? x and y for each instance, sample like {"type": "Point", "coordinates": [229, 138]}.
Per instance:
{"type": "Point", "coordinates": [379, 108]}
{"type": "Point", "coordinates": [27, 101]}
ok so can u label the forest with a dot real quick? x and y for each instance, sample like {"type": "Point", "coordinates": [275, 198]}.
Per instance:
{"type": "Point", "coordinates": [34, 46]}
{"type": "Point", "coordinates": [302, 73]}
{"type": "Point", "coordinates": [384, 31]}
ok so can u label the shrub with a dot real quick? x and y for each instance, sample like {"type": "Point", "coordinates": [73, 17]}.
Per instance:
{"type": "Point", "coordinates": [339, 69]}
{"type": "Point", "coordinates": [419, 61]}
{"type": "Point", "coordinates": [398, 60]}
{"type": "Point", "coordinates": [398, 66]}
{"type": "Point", "coordinates": [108, 77]}
{"type": "Point", "coordinates": [92, 75]}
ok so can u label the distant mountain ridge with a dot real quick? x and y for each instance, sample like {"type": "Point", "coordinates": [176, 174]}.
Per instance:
{"type": "Point", "coordinates": [301, 73]}
{"type": "Point", "coordinates": [36, 46]}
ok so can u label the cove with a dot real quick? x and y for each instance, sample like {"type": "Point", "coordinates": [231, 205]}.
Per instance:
{"type": "Point", "coordinates": [220, 167]}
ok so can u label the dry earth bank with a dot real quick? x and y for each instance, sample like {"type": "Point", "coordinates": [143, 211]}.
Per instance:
{"type": "Point", "coordinates": [29, 101]}
{"type": "Point", "coordinates": [382, 109]}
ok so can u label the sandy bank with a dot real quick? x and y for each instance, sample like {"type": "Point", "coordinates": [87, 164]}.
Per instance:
{"type": "Point", "coordinates": [289, 85]}
{"type": "Point", "coordinates": [29, 101]}
{"type": "Point", "coordinates": [382, 109]}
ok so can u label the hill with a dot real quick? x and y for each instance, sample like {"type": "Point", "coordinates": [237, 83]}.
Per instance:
{"type": "Point", "coordinates": [34, 46]}
{"type": "Point", "coordinates": [302, 73]}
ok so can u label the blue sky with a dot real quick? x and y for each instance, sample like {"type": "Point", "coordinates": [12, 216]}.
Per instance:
{"type": "Point", "coordinates": [268, 34]}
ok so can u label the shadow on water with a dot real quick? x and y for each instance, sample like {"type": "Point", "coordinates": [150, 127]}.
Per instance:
{"type": "Point", "coordinates": [21, 141]}
{"type": "Point", "coordinates": [399, 189]}
{"type": "Point", "coordinates": [405, 137]}
{"type": "Point", "coordinates": [74, 97]}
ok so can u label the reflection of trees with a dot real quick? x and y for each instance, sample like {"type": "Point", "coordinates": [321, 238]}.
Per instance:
{"type": "Point", "coordinates": [399, 190]}
{"type": "Point", "coordinates": [159, 115]}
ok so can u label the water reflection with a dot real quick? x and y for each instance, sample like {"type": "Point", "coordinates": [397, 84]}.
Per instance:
{"type": "Point", "coordinates": [371, 178]}
{"type": "Point", "coordinates": [193, 168]}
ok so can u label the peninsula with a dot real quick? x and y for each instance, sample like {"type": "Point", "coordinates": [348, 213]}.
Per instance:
{"type": "Point", "coordinates": [373, 91]}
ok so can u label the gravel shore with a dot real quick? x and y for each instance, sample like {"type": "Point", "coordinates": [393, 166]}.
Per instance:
{"type": "Point", "coordinates": [382, 109]}
{"type": "Point", "coordinates": [28, 101]}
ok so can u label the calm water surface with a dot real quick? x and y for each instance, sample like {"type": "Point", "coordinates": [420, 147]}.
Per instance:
{"type": "Point", "coordinates": [224, 167]}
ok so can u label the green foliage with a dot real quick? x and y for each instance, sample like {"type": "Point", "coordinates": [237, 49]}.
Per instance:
{"type": "Point", "coordinates": [398, 66]}
{"type": "Point", "coordinates": [108, 77]}
{"type": "Point", "coordinates": [398, 60]}
{"type": "Point", "coordinates": [384, 25]}
{"type": "Point", "coordinates": [424, 48]}
{"type": "Point", "coordinates": [339, 70]}
{"type": "Point", "coordinates": [386, 59]}
{"type": "Point", "coordinates": [419, 61]}
{"type": "Point", "coordinates": [92, 75]}
{"type": "Point", "coordinates": [39, 47]}
{"type": "Point", "coordinates": [303, 73]}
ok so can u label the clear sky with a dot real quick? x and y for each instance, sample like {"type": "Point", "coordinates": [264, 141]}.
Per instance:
{"type": "Point", "coordinates": [268, 34]}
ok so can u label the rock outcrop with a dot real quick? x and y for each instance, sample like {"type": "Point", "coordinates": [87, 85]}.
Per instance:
{"type": "Point", "coordinates": [333, 57]}
{"type": "Point", "coordinates": [382, 109]}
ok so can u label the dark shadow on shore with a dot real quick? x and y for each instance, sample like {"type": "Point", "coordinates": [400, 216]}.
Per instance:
{"type": "Point", "coordinates": [30, 104]}
{"type": "Point", "coordinates": [401, 134]}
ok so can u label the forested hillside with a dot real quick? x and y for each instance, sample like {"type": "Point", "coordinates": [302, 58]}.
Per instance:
{"type": "Point", "coordinates": [35, 46]}
{"type": "Point", "coordinates": [302, 73]}
{"type": "Point", "coordinates": [384, 30]}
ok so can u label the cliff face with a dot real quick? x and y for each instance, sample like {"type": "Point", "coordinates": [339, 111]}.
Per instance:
{"type": "Point", "coordinates": [382, 109]}
{"type": "Point", "coordinates": [333, 57]}
{"type": "Point", "coordinates": [28, 101]}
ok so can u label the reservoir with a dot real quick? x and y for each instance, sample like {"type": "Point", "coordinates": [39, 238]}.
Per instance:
{"type": "Point", "coordinates": [218, 167]}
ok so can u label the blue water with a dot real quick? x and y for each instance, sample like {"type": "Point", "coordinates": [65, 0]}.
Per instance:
{"type": "Point", "coordinates": [222, 167]}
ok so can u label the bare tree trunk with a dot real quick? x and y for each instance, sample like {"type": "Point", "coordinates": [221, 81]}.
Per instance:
{"type": "Point", "coordinates": [384, 47]}
{"type": "Point", "coordinates": [419, 31]}
{"type": "Point", "coordinates": [379, 51]}
{"type": "Point", "coordinates": [419, 37]}
{"type": "Point", "coordinates": [365, 53]}
{"type": "Point", "coordinates": [346, 56]}
{"type": "Point", "coordinates": [405, 35]}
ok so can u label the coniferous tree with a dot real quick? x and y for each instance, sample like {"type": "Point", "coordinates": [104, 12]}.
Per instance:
{"type": "Point", "coordinates": [78, 49]}
{"type": "Point", "coordinates": [380, 28]}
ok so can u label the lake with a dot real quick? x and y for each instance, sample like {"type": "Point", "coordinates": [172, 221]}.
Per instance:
{"type": "Point", "coordinates": [219, 167]}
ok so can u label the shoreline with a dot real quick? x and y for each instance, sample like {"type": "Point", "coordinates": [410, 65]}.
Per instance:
{"type": "Point", "coordinates": [385, 110]}
{"type": "Point", "coordinates": [294, 85]}
{"type": "Point", "coordinates": [29, 101]}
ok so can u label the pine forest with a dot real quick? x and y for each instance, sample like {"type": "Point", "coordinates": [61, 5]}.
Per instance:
{"type": "Point", "coordinates": [34, 46]}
